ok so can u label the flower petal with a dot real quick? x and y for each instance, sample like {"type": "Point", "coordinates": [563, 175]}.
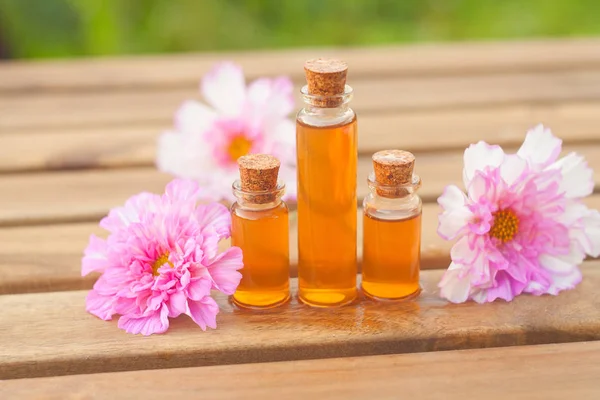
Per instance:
{"type": "Point", "coordinates": [452, 198]}
{"type": "Point", "coordinates": [453, 223]}
{"type": "Point", "coordinates": [591, 223]}
{"type": "Point", "coordinates": [94, 258]}
{"type": "Point", "coordinates": [225, 89]}
{"type": "Point", "coordinates": [182, 190]}
{"type": "Point", "coordinates": [462, 253]}
{"type": "Point", "coordinates": [199, 288]}
{"type": "Point", "coordinates": [540, 147]}
{"type": "Point", "coordinates": [194, 118]}
{"type": "Point", "coordinates": [217, 216]}
{"type": "Point", "coordinates": [186, 156]}
{"type": "Point", "coordinates": [454, 287]}
{"type": "Point", "coordinates": [224, 270]}
{"type": "Point", "coordinates": [479, 156]}
{"type": "Point", "coordinates": [560, 265]}
{"type": "Point", "coordinates": [121, 217]}
{"type": "Point", "coordinates": [204, 312]}
{"type": "Point", "coordinates": [99, 305]}
{"type": "Point", "coordinates": [564, 282]}
{"type": "Point", "coordinates": [512, 169]}
{"type": "Point", "coordinates": [577, 180]}
{"type": "Point", "coordinates": [504, 287]}
{"type": "Point", "coordinates": [272, 97]}
{"type": "Point", "coordinates": [456, 215]}
{"type": "Point", "coordinates": [155, 322]}
{"type": "Point", "coordinates": [177, 304]}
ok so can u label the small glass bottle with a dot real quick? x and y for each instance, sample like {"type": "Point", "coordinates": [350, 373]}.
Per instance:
{"type": "Point", "coordinates": [259, 226]}
{"type": "Point", "coordinates": [392, 228]}
{"type": "Point", "coordinates": [326, 138]}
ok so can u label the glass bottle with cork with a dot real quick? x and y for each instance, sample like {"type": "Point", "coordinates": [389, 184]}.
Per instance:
{"type": "Point", "coordinates": [326, 138]}
{"type": "Point", "coordinates": [392, 228]}
{"type": "Point", "coordinates": [259, 226]}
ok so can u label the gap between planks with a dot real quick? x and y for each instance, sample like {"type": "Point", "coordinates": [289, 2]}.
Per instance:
{"type": "Point", "coordinates": [50, 334]}
{"type": "Point", "coordinates": [168, 71]}
{"type": "Point", "coordinates": [134, 146]}
{"type": "Point", "coordinates": [55, 262]}
{"type": "Point", "coordinates": [543, 372]}
{"type": "Point", "coordinates": [60, 110]}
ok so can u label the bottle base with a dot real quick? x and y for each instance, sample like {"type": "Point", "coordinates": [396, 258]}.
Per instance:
{"type": "Point", "coordinates": [324, 298]}
{"type": "Point", "coordinates": [391, 293]}
{"type": "Point", "coordinates": [253, 301]}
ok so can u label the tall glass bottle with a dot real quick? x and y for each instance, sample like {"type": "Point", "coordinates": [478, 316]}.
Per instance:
{"type": "Point", "coordinates": [392, 228]}
{"type": "Point", "coordinates": [326, 138]}
{"type": "Point", "coordinates": [259, 226]}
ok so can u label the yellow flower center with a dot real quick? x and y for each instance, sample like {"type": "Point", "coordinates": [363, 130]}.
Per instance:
{"type": "Point", "coordinates": [162, 260]}
{"type": "Point", "coordinates": [239, 146]}
{"type": "Point", "coordinates": [506, 225]}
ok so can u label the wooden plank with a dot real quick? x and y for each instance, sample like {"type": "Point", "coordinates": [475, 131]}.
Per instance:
{"type": "Point", "coordinates": [59, 110]}
{"type": "Point", "coordinates": [75, 196]}
{"type": "Point", "coordinates": [408, 60]}
{"type": "Point", "coordinates": [51, 334]}
{"type": "Point", "coordinates": [114, 147]}
{"type": "Point", "coordinates": [72, 196]}
{"type": "Point", "coordinates": [54, 264]}
{"type": "Point", "coordinates": [552, 371]}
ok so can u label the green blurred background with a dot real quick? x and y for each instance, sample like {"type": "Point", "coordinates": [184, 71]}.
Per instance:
{"type": "Point", "coordinates": [73, 28]}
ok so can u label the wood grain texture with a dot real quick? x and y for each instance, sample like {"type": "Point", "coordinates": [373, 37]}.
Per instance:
{"type": "Point", "coordinates": [50, 334]}
{"type": "Point", "coordinates": [543, 372]}
{"type": "Point", "coordinates": [108, 74]}
{"type": "Point", "coordinates": [54, 263]}
{"type": "Point", "coordinates": [78, 196]}
{"type": "Point", "coordinates": [59, 110]}
{"type": "Point", "coordinates": [127, 146]}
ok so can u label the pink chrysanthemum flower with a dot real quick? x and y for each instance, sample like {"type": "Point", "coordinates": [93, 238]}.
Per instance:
{"type": "Point", "coordinates": [161, 260]}
{"type": "Point", "coordinates": [206, 142]}
{"type": "Point", "coordinates": [523, 227]}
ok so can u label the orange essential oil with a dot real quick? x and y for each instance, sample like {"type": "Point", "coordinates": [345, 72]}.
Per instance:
{"type": "Point", "coordinates": [392, 228]}
{"type": "Point", "coordinates": [259, 226]}
{"type": "Point", "coordinates": [326, 138]}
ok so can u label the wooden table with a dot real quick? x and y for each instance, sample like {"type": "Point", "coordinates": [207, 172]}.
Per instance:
{"type": "Point", "coordinates": [78, 137]}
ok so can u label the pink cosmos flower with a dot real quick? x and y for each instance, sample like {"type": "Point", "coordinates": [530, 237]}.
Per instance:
{"type": "Point", "coordinates": [522, 228]}
{"type": "Point", "coordinates": [161, 260]}
{"type": "Point", "coordinates": [206, 142]}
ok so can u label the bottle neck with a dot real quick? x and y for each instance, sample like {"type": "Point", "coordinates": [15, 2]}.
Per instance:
{"type": "Point", "coordinates": [258, 200]}
{"type": "Point", "coordinates": [326, 110]}
{"type": "Point", "coordinates": [394, 198]}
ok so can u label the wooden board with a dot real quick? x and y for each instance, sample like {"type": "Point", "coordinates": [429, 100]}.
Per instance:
{"type": "Point", "coordinates": [51, 334]}
{"type": "Point", "coordinates": [108, 74]}
{"type": "Point", "coordinates": [87, 195]}
{"type": "Point", "coordinates": [55, 262]}
{"type": "Point", "coordinates": [437, 130]}
{"type": "Point", "coordinates": [59, 110]}
{"type": "Point", "coordinates": [542, 372]}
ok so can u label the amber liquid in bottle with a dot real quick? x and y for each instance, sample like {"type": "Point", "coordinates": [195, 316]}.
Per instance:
{"type": "Point", "coordinates": [263, 237]}
{"type": "Point", "coordinates": [327, 205]}
{"type": "Point", "coordinates": [259, 226]}
{"type": "Point", "coordinates": [391, 257]}
{"type": "Point", "coordinates": [392, 228]}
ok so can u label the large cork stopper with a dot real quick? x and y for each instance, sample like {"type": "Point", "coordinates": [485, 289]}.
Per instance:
{"type": "Point", "coordinates": [393, 168]}
{"type": "Point", "coordinates": [258, 173]}
{"type": "Point", "coordinates": [326, 77]}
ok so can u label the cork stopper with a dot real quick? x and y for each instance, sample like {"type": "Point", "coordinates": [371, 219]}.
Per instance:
{"type": "Point", "coordinates": [393, 168]}
{"type": "Point", "coordinates": [326, 77]}
{"type": "Point", "coordinates": [258, 173]}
